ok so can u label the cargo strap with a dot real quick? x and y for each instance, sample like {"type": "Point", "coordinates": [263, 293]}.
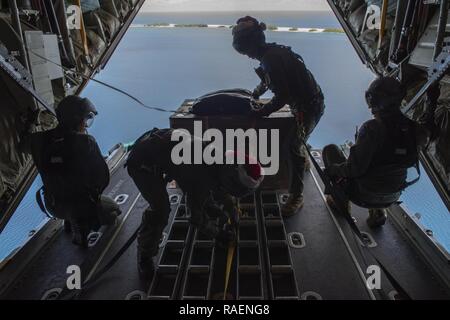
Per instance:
{"type": "Point", "coordinates": [341, 207]}
{"type": "Point", "coordinates": [83, 34]}
{"type": "Point", "coordinates": [230, 258]}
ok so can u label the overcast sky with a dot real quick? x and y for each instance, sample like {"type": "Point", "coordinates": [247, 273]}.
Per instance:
{"type": "Point", "coordinates": [234, 5]}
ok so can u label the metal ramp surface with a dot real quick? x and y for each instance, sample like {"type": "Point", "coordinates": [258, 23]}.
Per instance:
{"type": "Point", "coordinates": [312, 255]}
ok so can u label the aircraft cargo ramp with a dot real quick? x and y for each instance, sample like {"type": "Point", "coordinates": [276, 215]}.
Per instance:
{"type": "Point", "coordinates": [313, 255]}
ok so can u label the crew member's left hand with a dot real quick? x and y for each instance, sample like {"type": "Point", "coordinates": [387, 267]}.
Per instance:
{"type": "Point", "coordinates": [257, 111]}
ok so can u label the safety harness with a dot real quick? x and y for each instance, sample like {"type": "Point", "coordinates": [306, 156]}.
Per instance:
{"type": "Point", "coordinates": [400, 143]}
{"type": "Point", "coordinates": [59, 186]}
{"type": "Point", "coordinates": [230, 258]}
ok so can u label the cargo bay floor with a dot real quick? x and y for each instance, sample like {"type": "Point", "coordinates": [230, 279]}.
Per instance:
{"type": "Point", "coordinates": [312, 255]}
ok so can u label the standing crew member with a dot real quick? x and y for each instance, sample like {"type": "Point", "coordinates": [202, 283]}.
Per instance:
{"type": "Point", "coordinates": [151, 167]}
{"type": "Point", "coordinates": [375, 173]}
{"type": "Point", "coordinates": [73, 170]}
{"type": "Point", "coordinates": [285, 74]}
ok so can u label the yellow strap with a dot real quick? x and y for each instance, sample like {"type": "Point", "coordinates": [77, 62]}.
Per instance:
{"type": "Point", "coordinates": [231, 249]}
{"type": "Point", "coordinates": [230, 256]}
{"type": "Point", "coordinates": [83, 31]}
{"type": "Point", "coordinates": [383, 22]}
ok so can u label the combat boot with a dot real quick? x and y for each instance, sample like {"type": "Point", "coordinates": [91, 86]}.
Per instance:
{"type": "Point", "coordinates": [292, 205]}
{"type": "Point", "coordinates": [146, 268]}
{"type": "Point", "coordinates": [377, 218]}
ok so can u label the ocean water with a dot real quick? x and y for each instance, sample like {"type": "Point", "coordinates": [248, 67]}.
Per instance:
{"type": "Point", "coordinates": [163, 67]}
{"type": "Point", "coordinates": [189, 62]}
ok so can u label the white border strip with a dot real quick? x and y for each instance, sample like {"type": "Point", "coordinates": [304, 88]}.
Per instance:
{"type": "Point", "coordinates": [113, 238]}
{"type": "Point", "coordinates": [350, 251]}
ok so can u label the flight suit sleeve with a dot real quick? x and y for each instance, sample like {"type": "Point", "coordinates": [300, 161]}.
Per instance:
{"type": "Point", "coordinates": [260, 90]}
{"type": "Point", "coordinates": [98, 169]}
{"type": "Point", "coordinates": [33, 144]}
{"type": "Point", "coordinates": [278, 84]}
{"type": "Point", "coordinates": [361, 153]}
{"type": "Point", "coordinates": [197, 199]}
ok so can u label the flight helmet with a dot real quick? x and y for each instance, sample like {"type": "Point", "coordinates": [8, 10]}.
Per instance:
{"type": "Point", "coordinates": [385, 95]}
{"type": "Point", "coordinates": [248, 35]}
{"type": "Point", "coordinates": [73, 110]}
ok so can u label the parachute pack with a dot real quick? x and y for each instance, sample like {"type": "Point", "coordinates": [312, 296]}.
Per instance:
{"type": "Point", "coordinates": [233, 102]}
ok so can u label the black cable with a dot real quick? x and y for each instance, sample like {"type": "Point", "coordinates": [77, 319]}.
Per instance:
{"type": "Point", "coordinates": [103, 84]}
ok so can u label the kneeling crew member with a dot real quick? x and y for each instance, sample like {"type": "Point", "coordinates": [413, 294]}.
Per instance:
{"type": "Point", "coordinates": [375, 173]}
{"type": "Point", "coordinates": [151, 167]}
{"type": "Point", "coordinates": [73, 170]}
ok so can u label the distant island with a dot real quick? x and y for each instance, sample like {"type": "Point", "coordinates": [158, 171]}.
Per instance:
{"type": "Point", "coordinates": [271, 28]}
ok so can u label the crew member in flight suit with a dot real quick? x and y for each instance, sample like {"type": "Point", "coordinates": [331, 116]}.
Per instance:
{"type": "Point", "coordinates": [73, 170]}
{"type": "Point", "coordinates": [375, 172]}
{"type": "Point", "coordinates": [210, 192]}
{"type": "Point", "coordinates": [285, 74]}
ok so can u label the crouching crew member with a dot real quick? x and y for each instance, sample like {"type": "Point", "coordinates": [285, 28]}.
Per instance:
{"type": "Point", "coordinates": [73, 171]}
{"type": "Point", "coordinates": [375, 173]}
{"type": "Point", "coordinates": [206, 187]}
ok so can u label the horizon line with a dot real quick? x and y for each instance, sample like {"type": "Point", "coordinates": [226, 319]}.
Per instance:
{"type": "Point", "coordinates": [217, 11]}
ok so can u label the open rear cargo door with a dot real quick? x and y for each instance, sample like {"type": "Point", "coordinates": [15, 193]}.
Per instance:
{"type": "Point", "coordinates": [54, 49]}
{"type": "Point", "coordinates": [404, 38]}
